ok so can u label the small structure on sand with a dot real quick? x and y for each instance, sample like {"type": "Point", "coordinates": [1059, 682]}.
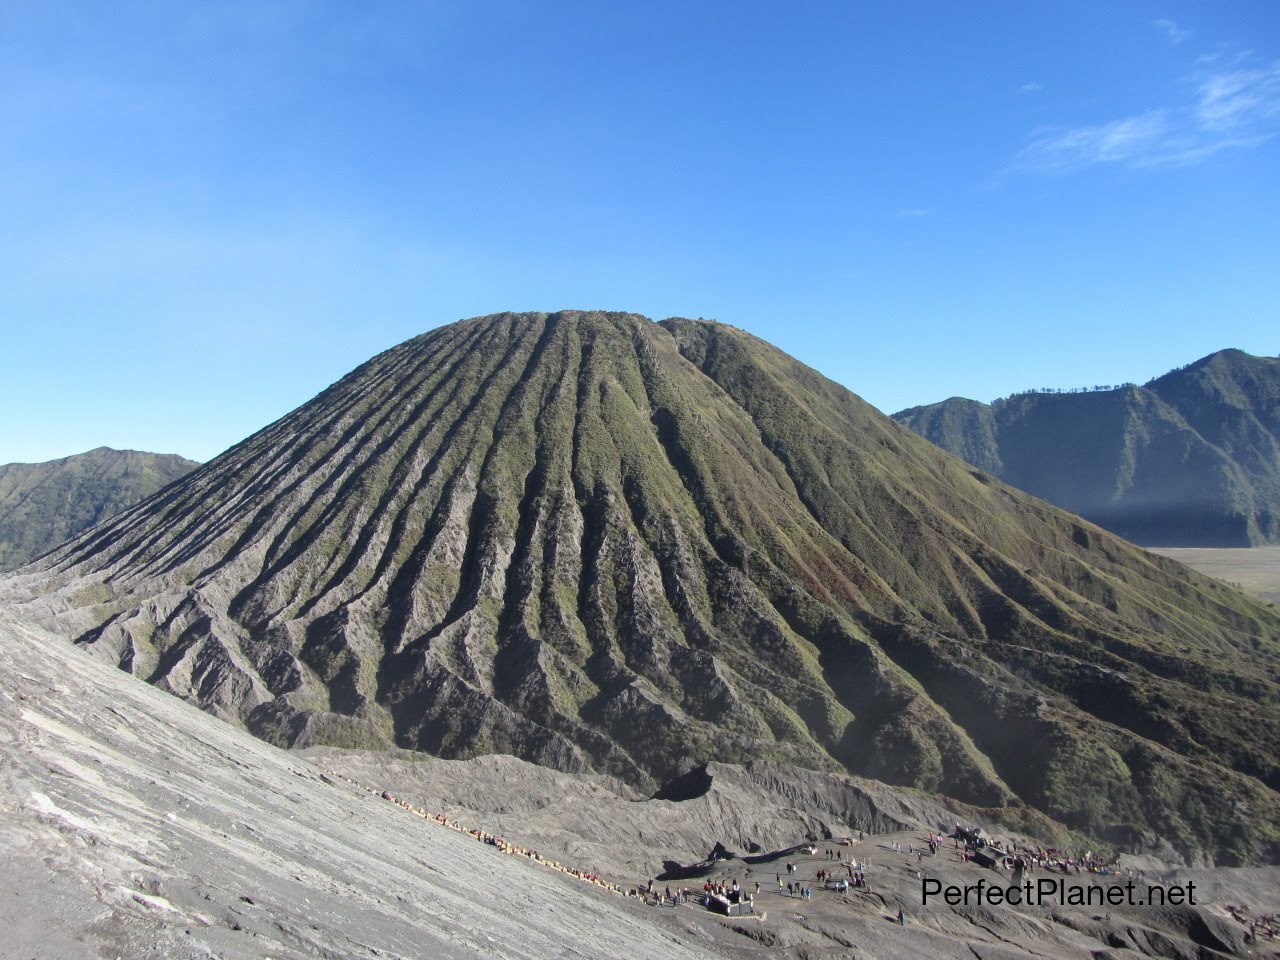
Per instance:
{"type": "Point", "coordinates": [985, 856]}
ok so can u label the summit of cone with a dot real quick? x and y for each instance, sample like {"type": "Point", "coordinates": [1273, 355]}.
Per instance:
{"type": "Point", "coordinates": [604, 544]}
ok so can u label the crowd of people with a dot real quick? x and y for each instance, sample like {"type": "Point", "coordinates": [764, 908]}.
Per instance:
{"type": "Point", "coordinates": [967, 843]}
{"type": "Point", "coordinates": [1023, 858]}
{"type": "Point", "coordinates": [713, 894]}
{"type": "Point", "coordinates": [1265, 925]}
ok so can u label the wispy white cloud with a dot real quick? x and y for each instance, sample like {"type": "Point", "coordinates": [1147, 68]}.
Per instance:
{"type": "Point", "coordinates": [1234, 107]}
{"type": "Point", "coordinates": [1114, 142]}
{"type": "Point", "coordinates": [1239, 98]}
{"type": "Point", "coordinates": [1172, 31]}
{"type": "Point", "coordinates": [1031, 86]}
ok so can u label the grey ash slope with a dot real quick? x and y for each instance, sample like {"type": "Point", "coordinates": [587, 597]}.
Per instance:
{"type": "Point", "coordinates": [133, 826]}
{"type": "Point", "coordinates": [1190, 459]}
{"type": "Point", "coordinates": [43, 504]}
{"type": "Point", "coordinates": [599, 543]}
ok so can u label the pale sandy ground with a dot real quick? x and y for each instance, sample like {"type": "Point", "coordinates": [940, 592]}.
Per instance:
{"type": "Point", "coordinates": [581, 819]}
{"type": "Point", "coordinates": [134, 826]}
{"type": "Point", "coordinates": [1256, 569]}
{"type": "Point", "coordinates": [602, 825]}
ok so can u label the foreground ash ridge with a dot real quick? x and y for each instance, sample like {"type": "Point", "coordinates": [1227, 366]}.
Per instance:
{"type": "Point", "coordinates": [135, 827]}
{"type": "Point", "coordinates": [603, 544]}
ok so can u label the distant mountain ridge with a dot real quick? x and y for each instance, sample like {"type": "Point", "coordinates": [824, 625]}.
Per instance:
{"type": "Point", "coordinates": [43, 504]}
{"type": "Point", "coordinates": [1191, 458]}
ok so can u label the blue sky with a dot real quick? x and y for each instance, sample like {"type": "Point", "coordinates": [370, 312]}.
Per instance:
{"type": "Point", "coordinates": [209, 212]}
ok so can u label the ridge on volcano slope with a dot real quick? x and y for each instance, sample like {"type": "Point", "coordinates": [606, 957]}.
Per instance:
{"type": "Point", "coordinates": [604, 544]}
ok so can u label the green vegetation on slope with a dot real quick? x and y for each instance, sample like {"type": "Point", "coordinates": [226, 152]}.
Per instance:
{"type": "Point", "coordinates": [597, 542]}
{"type": "Point", "coordinates": [1190, 459]}
{"type": "Point", "coordinates": [43, 504]}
